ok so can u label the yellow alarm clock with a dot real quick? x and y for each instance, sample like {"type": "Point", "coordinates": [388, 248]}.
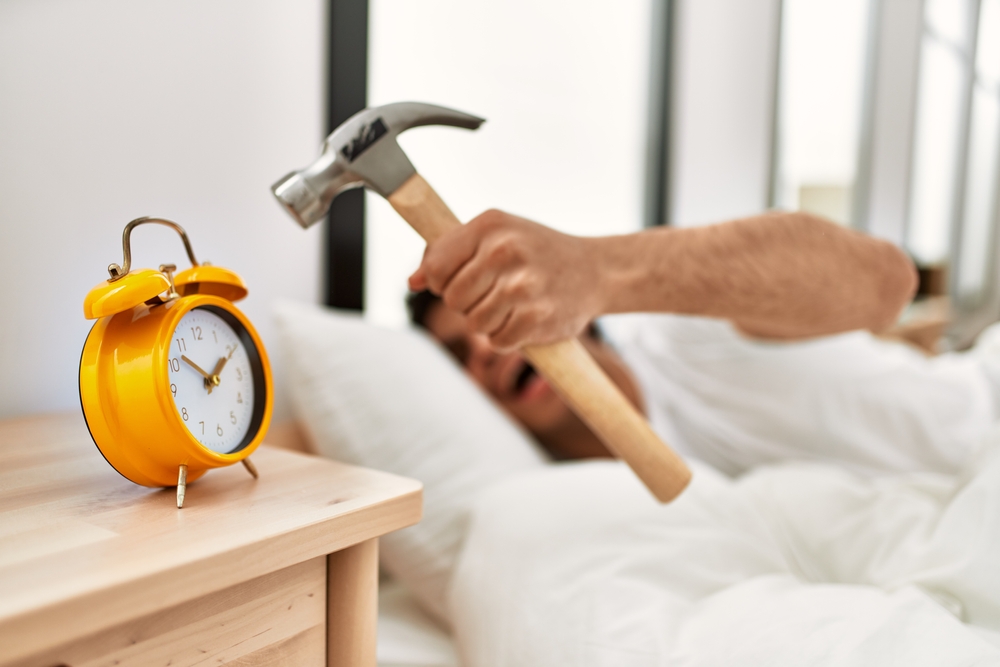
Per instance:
{"type": "Point", "coordinates": [174, 379]}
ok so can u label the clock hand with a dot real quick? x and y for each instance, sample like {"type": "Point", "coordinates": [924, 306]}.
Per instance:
{"type": "Point", "coordinates": [196, 367]}
{"type": "Point", "coordinates": [210, 380]}
{"type": "Point", "coordinates": [215, 379]}
{"type": "Point", "coordinates": [219, 366]}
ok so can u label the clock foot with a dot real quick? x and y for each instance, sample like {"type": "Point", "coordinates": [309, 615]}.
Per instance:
{"type": "Point", "coordinates": [251, 468]}
{"type": "Point", "coordinates": [182, 478]}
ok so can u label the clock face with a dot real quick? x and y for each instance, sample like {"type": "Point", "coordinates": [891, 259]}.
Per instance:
{"type": "Point", "coordinates": [216, 379]}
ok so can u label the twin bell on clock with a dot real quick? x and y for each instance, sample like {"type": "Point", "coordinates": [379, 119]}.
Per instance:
{"type": "Point", "coordinates": [174, 379]}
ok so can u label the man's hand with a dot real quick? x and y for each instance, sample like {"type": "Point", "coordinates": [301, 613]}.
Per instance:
{"type": "Point", "coordinates": [517, 281]}
{"type": "Point", "coordinates": [776, 275]}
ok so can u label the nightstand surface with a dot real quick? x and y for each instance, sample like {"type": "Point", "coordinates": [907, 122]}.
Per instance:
{"type": "Point", "coordinates": [83, 549]}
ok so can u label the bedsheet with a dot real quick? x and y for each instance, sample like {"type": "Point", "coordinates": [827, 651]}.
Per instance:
{"type": "Point", "coordinates": [407, 635]}
{"type": "Point", "coordinates": [795, 564]}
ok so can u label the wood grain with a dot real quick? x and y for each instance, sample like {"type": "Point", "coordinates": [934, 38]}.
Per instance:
{"type": "Point", "coordinates": [570, 369]}
{"type": "Point", "coordinates": [129, 552]}
{"type": "Point", "coordinates": [352, 603]}
{"type": "Point", "coordinates": [281, 615]}
{"type": "Point", "coordinates": [418, 203]}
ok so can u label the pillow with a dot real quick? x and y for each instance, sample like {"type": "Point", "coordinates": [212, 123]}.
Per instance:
{"type": "Point", "coordinates": [394, 400]}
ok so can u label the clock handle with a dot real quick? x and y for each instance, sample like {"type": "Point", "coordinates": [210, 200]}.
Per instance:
{"type": "Point", "coordinates": [118, 272]}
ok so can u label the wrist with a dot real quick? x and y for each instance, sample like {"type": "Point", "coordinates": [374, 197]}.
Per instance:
{"type": "Point", "coordinates": [642, 272]}
{"type": "Point", "coordinates": [612, 268]}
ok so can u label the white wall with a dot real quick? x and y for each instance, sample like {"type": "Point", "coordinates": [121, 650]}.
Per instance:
{"type": "Point", "coordinates": [563, 85]}
{"type": "Point", "coordinates": [723, 100]}
{"type": "Point", "coordinates": [114, 109]}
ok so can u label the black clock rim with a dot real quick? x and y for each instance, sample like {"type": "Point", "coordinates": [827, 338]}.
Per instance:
{"type": "Point", "coordinates": [260, 396]}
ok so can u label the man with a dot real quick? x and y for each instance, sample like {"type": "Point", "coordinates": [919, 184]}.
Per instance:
{"type": "Point", "coordinates": [737, 394]}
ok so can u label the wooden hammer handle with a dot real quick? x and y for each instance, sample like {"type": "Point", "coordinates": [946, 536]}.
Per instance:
{"type": "Point", "coordinates": [569, 368]}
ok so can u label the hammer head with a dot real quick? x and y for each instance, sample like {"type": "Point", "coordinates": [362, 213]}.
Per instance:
{"type": "Point", "coordinates": [362, 152]}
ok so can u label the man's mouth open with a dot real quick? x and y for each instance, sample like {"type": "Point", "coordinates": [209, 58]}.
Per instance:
{"type": "Point", "coordinates": [528, 384]}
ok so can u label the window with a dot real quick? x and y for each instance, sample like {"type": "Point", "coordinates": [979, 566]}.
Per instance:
{"type": "Point", "coordinates": [821, 72]}
{"type": "Point", "coordinates": [956, 142]}
{"type": "Point", "coordinates": [945, 63]}
{"type": "Point", "coordinates": [976, 242]}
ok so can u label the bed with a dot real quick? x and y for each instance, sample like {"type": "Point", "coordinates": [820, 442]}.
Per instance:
{"type": "Point", "coordinates": [520, 561]}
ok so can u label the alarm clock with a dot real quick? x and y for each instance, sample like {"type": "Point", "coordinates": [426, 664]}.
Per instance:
{"type": "Point", "coordinates": [174, 379]}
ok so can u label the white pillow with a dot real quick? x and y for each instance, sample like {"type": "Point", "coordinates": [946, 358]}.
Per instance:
{"type": "Point", "coordinates": [394, 400]}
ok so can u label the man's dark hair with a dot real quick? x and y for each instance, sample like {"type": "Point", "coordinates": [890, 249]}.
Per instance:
{"type": "Point", "coordinates": [419, 304]}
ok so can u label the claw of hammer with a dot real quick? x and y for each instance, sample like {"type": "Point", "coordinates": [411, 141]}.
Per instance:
{"type": "Point", "coordinates": [362, 152]}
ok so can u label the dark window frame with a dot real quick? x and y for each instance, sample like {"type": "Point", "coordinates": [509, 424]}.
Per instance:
{"type": "Point", "coordinates": [346, 94]}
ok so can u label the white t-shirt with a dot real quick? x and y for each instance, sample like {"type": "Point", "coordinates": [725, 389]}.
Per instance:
{"type": "Point", "coordinates": [869, 404]}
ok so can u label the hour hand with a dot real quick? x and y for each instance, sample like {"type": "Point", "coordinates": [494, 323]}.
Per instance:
{"type": "Point", "coordinates": [210, 380]}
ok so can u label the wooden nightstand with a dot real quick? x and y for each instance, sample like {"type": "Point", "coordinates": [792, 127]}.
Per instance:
{"type": "Point", "coordinates": [95, 570]}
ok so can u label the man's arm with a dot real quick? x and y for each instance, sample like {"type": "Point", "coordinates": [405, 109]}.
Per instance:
{"type": "Point", "coordinates": [778, 275]}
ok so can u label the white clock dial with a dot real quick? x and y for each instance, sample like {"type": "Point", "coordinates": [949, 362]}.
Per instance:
{"type": "Point", "coordinates": [211, 380]}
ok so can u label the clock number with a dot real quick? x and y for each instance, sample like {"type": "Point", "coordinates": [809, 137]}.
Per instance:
{"type": "Point", "coordinates": [196, 333]}
{"type": "Point", "coordinates": [173, 389]}
{"type": "Point", "coordinates": [214, 336]}
{"type": "Point", "coordinates": [232, 417]}
{"type": "Point", "coordinates": [184, 413]}
{"type": "Point", "coordinates": [181, 345]}
{"type": "Point", "coordinates": [175, 364]}
{"type": "Point", "coordinates": [239, 374]}
{"type": "Point", "coordinates": [218, 429]}
{"type": "Point", "coordinates": [229, 350]}
{"type": "Point", "coordinates": [202, 427]}
{"type": "Point", "coordinates": [239, 397]}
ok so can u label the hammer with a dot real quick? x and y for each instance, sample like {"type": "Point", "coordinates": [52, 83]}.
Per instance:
{"type": "Point", "coordinates": [363, 152]}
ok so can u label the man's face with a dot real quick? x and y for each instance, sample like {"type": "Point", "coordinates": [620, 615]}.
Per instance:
{"type": "Point", "coordinates": [506, 376]}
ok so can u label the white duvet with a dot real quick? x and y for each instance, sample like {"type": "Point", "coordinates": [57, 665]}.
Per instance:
{"type": "Point", "coordinates": [795, 564]}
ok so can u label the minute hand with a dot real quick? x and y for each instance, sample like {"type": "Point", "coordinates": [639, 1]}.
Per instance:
{"type": "Point", "coordinates": [218, 369]}
{"type": "Point", "coordinates": [219, 366]}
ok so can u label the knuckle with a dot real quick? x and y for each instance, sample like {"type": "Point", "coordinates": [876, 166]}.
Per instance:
{"type": "Point", "coordinates": [531, 318]}
{"type": "Point", "coordinates": [433, 275]}
{"type": "Point", "coordinates": [483, 222]}
{"type": "Point", "coordinates": [479, 319]}
{"type": "Point", "coordinates": [431, 265]}
{"type": "Point", "coordinates": [451, 298]}
{"type": "Point", "coordinates": [519, 288]}
{"type": "Point", "coordinates": [502, 339]}
{"type": "Point", "coordinates": [502, 251]}
{"type": "Point", "coordinates": [492, 217]}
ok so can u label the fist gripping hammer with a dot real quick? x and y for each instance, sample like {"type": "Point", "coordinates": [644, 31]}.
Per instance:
{"type": "Point", "coordinates": [363, 152]}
